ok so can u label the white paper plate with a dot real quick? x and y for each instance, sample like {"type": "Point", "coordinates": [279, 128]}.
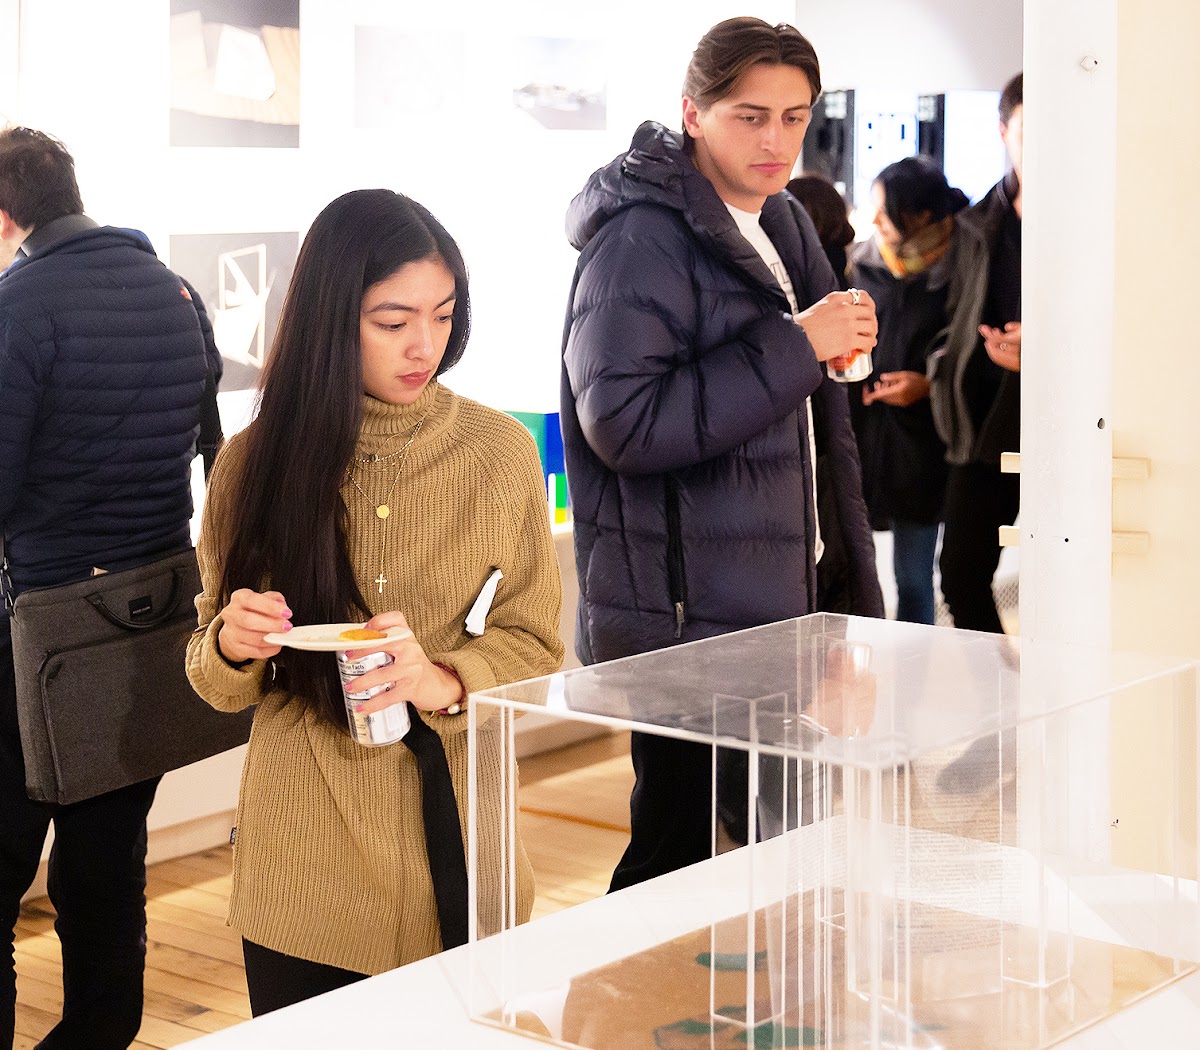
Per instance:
{"type": "Point", "coordinates": [326, 638]}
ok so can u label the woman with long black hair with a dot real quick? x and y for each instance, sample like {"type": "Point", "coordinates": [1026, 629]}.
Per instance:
{"type": "Point", "coordinates": [906, 267]}
{"type": "Point", "coordinates": [366, 491]}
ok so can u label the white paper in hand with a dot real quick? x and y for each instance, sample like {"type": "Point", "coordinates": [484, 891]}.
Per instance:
{"type": "Point", "coordinates": [479, 611]}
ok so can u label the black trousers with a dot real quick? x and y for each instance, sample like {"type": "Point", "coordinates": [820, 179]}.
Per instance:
{"type": "Point", "coordinates": [670, 809]}
{"type": "Point", "coordinates": [979, 499]}
{"type": "Point", "coordinates": [97, 883]}
{"type": "Point", "coordinates": [276, 980]}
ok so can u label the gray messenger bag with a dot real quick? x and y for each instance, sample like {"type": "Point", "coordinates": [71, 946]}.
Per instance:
{"type": "Point", "coordinates": [103, 699]}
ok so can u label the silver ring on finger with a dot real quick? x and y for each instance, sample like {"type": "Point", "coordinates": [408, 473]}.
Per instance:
{"type": "Point", "coordinates": [1004, 346]}
{"type": "Point", "coordinates": [855, 296]}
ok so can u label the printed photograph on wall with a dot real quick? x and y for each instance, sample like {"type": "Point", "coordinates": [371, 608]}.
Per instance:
{"type": "Point", "coordinates": [242, 278]}
{"type": "Point", "coordinates": [398, 74]}
{"type": "Point", "coordinates": [561, 84]}
{"type": "Point", "coordinates": [235, 73]}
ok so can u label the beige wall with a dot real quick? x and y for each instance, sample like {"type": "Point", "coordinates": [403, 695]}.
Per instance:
{"type": "Point", "coordinates": [1155, 595]}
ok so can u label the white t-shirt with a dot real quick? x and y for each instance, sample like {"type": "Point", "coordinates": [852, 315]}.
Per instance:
{"type": "Point", "coordinates": [748, 224]}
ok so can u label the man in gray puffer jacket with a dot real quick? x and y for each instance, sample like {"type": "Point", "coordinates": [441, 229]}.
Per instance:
{"type": "Point", "coordinates": [713, 472]}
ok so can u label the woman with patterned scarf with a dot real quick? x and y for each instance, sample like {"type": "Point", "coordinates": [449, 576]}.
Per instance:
{"type": "Point", "coordinates": [906, 269]}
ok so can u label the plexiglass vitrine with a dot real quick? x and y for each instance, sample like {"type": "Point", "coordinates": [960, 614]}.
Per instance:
{"type": "Point", "coordinates": [920, 837]}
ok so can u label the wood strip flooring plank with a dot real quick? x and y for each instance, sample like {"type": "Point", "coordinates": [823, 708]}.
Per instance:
{"type": "Point", "coordinates": [576, 756]}
{"type": "Point", "coordinates": [33, 1023]}
{"type": "Point", "coordinates": [166, 959]}
{"type": "Point", "coordinates": [200, 992]}
{"type": "Point", "coordinates": [201, 922]}
{"type": "Point", "coordinates": [184, 897]}
{"type": "Point", "coordinates": [202, 942]}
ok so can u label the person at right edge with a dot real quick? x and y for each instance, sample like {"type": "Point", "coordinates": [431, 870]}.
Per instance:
{"type": "Point", "coordinates": [713, 472]}
{"type": "Point", "coordinates": [975, 384]}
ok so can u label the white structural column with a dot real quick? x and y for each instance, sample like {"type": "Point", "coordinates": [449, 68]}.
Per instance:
{"type": "Point", "coordinates": [1068, 276]}
{"type": "Point", "coordinates": [1070, 165]}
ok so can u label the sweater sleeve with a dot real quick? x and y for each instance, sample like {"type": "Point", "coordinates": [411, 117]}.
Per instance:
{"type": "Point", "coordinates": [648, 399]}
{"type": "Point", "coordinates": [224, 686]}
{"type": "Point", "coordinates": [520, 638]}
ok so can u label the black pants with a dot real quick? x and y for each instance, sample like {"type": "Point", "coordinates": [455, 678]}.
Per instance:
{"type": "Point", "coordinates": [979, 499]}
{"type": "Point", "coordinates": [97, 883]}
{"type": "Point", "coordinates": [277, 980]}
{"type": "Point", "coordinates": [670, 809]}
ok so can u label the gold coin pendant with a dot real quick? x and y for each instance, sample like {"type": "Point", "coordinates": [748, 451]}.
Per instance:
{"type": "Point", "coordinates": [383, 510]}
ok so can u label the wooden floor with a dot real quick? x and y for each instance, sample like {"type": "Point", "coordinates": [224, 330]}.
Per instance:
{"type": "Point", "coordinates": [575, 823]}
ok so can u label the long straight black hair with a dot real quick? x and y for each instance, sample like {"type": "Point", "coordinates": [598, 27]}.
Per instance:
{"type": "Point", "coordinates": [287, 526]}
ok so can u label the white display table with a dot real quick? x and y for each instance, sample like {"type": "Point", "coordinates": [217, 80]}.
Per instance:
{"type": "Point", "coordinates": [422, 1005]}
{"type": "Point", "coordinates": [937, 863]}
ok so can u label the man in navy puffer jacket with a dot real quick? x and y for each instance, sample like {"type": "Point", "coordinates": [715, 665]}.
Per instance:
{"type": "Point", "coordinates": [103, 361]}
{"type": "Point", "coordinates": [713, 472]}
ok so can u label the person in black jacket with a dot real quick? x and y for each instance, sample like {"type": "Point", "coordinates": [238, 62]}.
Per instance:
{"type": "Point", "coordinates": [905, 267]}
{"type": "Point", "coordinates": [712, 468]}
{"type": "Point", "coordinates": [975, 378]}
{"type": "Point", "coordinates": [103, 364]}
{"type": "Point", "coordinates": [827, 209]}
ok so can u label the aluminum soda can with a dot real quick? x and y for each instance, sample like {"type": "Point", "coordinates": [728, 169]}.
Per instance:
{"type": "Point", "coordinates": [855, 366]}
{"type": "Point", "coordinates": [381, 727]}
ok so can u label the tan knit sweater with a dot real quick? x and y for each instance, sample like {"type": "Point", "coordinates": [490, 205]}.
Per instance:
{"type": "Point", "coordinates": [330, 862]}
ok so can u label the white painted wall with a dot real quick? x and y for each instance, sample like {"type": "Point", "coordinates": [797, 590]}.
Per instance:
{"type": "Point", "coordinates": [1154, 416]}
{"type": "Point", "coordinates": [914, 45]}
{"type": "Point", "coordinates": [10, 20]}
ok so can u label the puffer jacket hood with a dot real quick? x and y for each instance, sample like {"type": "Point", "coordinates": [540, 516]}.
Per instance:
{"type": "Point", "coordinates": [650, 173]}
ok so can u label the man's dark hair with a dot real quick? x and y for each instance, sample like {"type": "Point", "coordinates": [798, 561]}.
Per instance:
{"type": "Point", "coordinates": [727, 50]}
{"type": "Point", "coordinates": [1011, 97]}
{"type": "Point", "coordinates": [37, 178]}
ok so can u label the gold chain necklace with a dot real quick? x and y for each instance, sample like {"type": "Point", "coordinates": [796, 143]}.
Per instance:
{"type": "Point", "coordinates": [383, 510]}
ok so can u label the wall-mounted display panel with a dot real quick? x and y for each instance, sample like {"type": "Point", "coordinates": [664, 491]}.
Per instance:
{"type": "Point", "coordinates": [242, 278]}
{"type": "Point", "coordinates": [235, 72]}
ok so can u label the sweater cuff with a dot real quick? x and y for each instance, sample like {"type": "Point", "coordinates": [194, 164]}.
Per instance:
{"type": "Point", "coordinates": [475, 673]}
{"type": "Point", "coordinates": [228, 687]}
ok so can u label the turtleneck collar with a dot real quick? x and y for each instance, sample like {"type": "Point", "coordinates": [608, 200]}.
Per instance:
{"type": "Point", "coordinates": [383, 423]}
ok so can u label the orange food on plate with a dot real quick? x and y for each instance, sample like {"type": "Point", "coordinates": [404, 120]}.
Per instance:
{"type": "Point", "coordinates": [362, 634]}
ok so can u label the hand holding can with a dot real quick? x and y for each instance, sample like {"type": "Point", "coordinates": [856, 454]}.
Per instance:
{"type": "Point", "coordinates": [842, 329]}
{"type": "Point", "coordinates": [856, 365]}
{"type": "Point", "coordinates": [376, 728]}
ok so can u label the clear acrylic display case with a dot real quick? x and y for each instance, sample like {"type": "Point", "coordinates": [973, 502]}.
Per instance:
{"type": "Point", "coordinates": [955, 840]}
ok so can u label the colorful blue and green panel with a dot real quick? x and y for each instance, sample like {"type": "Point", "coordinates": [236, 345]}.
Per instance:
{"type": "Point", "coordinates": [544, 427]}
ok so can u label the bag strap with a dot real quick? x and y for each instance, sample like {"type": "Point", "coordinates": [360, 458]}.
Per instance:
{"type": "Point", "coordinates": [443, 832]}
{"type": "Point", "coordinates": [211, 436]}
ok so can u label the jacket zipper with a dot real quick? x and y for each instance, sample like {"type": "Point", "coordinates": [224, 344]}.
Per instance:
{"type": "Point", "coordinates": [676, 577]}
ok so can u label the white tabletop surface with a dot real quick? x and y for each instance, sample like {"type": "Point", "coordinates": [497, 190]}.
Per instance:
{"type": "Point", "coordinates": [424, 1004]}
